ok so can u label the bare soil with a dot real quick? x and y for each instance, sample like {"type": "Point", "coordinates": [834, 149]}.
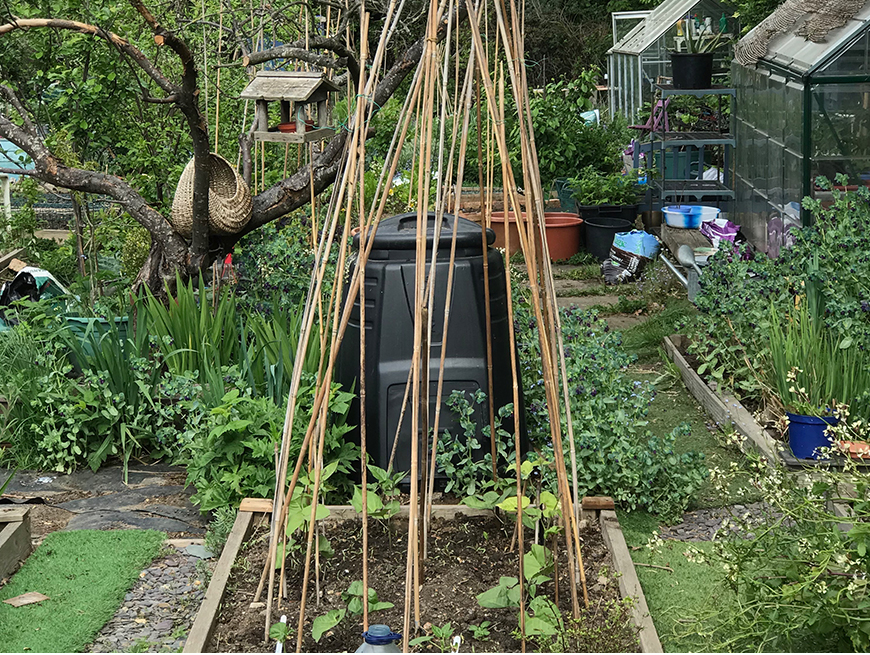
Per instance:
{"type": "Point", "coordinates": [466, 557]}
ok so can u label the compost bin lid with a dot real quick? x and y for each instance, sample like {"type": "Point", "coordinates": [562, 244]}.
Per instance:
{"type": "Point", "coordinates": [400, 233]}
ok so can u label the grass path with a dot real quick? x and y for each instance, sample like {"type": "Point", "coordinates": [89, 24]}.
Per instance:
{"type": "Point", "coordinates": [85, 574]}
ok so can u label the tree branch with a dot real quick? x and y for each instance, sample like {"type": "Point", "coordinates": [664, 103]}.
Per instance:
{"type": "Point", "coordinates": [110, 37]}
{"type": "Point", "coordinates": [187, 99]}
{"type": "Point", "coordinates": [290, 50]}
{"type": "Point", "coordinates": [294, 191]}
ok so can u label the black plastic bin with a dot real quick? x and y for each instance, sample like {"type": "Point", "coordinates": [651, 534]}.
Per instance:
{"type": "Point", "coordinates": [389, 292]}
{"type": "Point", "coordinates": [600, 232]}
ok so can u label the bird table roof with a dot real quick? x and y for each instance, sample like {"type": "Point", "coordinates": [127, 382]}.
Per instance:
{"type": "Point", "coordinates": [284, 85]}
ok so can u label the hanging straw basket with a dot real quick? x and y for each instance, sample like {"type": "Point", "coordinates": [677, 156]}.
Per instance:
{"type": "Point", "coordinates": [229, 199]}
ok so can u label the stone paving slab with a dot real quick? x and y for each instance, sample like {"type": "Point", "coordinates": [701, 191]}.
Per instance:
{"type": "Point", "coordinates": [139, 520]}
{"type": "Point", "coordinates": [153, 498]}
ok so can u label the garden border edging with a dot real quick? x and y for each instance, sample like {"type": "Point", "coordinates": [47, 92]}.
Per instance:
{"type": "Point", "coordinates": [629, 584]}
{"type": "Point", "coordinates": [722, 408]}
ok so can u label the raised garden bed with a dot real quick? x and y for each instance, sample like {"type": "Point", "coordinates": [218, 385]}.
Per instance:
{"type": "Point", "coordinates": [467, 556]}
{"type": "Point", "coordinates": [727, 410]}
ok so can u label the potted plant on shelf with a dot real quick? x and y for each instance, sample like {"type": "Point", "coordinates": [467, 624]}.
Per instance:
{"type": "Point", "coordinates": [819, 376]}
{"type": "Point", "coordinates": [693, 69]}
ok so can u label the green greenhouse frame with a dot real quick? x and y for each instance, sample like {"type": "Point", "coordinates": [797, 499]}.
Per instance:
{"type": "Point", "coordinates": [802, 111]}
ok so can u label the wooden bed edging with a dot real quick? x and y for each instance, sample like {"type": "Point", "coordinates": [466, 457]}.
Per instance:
{"type": "Point", "coordinates": [723, 408]}
{"type": "Point", "coordinates": [14, 538]}
{"type": "Point", "coordinates": [206, 618]}
{"type": "Point", "coordinates": [629, 585]}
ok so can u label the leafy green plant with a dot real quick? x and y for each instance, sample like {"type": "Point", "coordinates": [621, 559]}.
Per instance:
{"type": "Point", "coordinates": [382, 497]}
{"type": "Point", "coordinates": [480, 632]}
{"type": "Point", "coordinates": [593, 187]}
{"type": "Point", "coordinates": [617, 455]}
{"type": "Point", "coordinates": [280, 631]}
{"type": "Point", "coordinates": [606, 627]}
{"type": "Point", "coordinates": [798, 567]}
{"type": "Point", "coordinates": [463, 461]}
{"type": "Point", "coordinates": [353, 597]}
{"type": "Point", "coordinates": [812, 368]}
{"type": "Point", "coordinates": [235, 458]}
{"type": "Point", "coordinates": [545, 617]}
{"type": "Point", "coordinates": [442, 638]}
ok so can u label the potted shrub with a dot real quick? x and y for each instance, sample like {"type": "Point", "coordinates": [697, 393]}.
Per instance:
{"type": "Point", "coordinates": [816, 374]}
{"type": "Point", "coordinates": [693, 69]}
{"type": "Point", "coordinates": [607, 203]}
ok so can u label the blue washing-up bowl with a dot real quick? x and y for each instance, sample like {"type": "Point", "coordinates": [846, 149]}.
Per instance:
{"type": "Point", "coordinates": [689, 216]}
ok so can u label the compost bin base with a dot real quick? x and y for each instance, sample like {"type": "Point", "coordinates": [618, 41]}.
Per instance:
{"type": "Point", "coordinates": [466, 557]}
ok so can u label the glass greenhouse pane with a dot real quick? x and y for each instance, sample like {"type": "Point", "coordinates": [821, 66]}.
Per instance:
{"type": "Point", "coordinates": [854, 60]}
{"type": "Point", "coordinates": [841, 131]}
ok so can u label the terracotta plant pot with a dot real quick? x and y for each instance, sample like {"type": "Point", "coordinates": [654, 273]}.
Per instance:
{"type": "Point", "coordinates": [855, 449]}
{"type": "Point", "coordinates": [563, 229]}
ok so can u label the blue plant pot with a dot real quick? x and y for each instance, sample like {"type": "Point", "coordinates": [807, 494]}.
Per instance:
{"type": "Point", "coordinates": [806, 433]}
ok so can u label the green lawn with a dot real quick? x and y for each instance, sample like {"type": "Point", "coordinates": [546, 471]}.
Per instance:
{"type": "Point", "coordinates": [85, 574]}
{"type": "Point", "coordinates": [674, 598]}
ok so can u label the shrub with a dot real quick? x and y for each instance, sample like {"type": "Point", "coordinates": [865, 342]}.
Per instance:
{"type": "Point", "coordinates": [799, 570]}
{"type": "Point", "coordinates": [616, 454]}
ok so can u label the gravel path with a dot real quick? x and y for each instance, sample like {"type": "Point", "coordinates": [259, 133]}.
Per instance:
{"type": "Point", "coordinates": [157, 613]}
{"type": "Point", "coordinates": [702, 524]}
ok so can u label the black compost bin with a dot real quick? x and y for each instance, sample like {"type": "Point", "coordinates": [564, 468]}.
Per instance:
{"type": "Point", "coordinates": [389, 292]}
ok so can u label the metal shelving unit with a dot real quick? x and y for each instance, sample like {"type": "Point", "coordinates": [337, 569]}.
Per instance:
{"type": "Point", "coordinates": [664, 189]}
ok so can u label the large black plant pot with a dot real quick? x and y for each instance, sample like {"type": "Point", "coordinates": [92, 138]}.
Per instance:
{"type": "Point", "coordinates": [692, 70]}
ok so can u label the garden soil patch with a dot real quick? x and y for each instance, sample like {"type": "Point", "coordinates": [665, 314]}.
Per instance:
{"type": "Point", "coordinates": [466, 558]}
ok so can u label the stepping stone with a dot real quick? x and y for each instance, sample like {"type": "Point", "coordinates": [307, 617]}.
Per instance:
{"type": "Point", "coordinates": [585, 302]}
{"type": "Point", "coordinates": [101, 520]}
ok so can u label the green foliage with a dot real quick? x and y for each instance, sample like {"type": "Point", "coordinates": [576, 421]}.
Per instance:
{"type": "Point", "coordinates": [593, 187]}
{"type": "Point", "coordinates": [559, 129]}
{"type": "Point", "coordinates": [730, 335]}
{"type": "Point", "coordinates": [607, 627]}
{"type": "Point", "coordinates": [280, 631]}
{"type": "Point", "coordinates": [441, 638]}
{"type": "Point", "coordinates": [382, 495]}
{"type": "Point", "coordinates": [460, 459]}
{"type": "Point", "coordinates": [16, 231]}
{"type": "Point", "coordinates": [219, 528]}
{"type": "Point", "coordinates": [353, 598]}
{"type": "Point", "coordinates": [617, 455]}
{"type": "Point", "coordinates": [798, 569]}
{"type": "Point", "coordinates": [542, 615]}
{"type": "Point", "coordinates": [811, 368]}
{"type": "Point", "coordinates": [232, 455]}
{"type": "Point", "coordinates": [480, 632]}
{"type": "Point", "coordinates": [275, 262]}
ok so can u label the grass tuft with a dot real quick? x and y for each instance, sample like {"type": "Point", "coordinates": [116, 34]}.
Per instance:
{"type": "Point", "coordinates": [85, 574]}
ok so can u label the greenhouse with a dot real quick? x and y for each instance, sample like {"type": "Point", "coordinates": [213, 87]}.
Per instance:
{"type": "Point", "coordinates": [802, 110]}
{"type": "Point", "coordinates": [637, 61]}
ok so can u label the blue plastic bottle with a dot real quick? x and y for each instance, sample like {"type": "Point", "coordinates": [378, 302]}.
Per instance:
{"type": "Point", "coordinates": [379, 639]}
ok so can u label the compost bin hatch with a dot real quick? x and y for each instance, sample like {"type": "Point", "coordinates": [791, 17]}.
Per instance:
{"type": "Point", "coordinates": [400, 233]}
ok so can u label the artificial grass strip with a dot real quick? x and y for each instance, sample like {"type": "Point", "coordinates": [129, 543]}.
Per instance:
{"type": "Point", "coordinates": [85, 574]}
{"type": "Point", "coordinates": [677, 600]}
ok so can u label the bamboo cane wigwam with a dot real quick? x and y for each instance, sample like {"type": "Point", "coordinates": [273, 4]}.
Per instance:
{"type": "Point", "coordinates": [428, 98]}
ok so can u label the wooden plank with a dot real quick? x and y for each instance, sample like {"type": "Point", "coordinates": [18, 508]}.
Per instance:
{"type": "Point", "coordinates": [29, 598]}
{"type": "Point", "coordinates": [5, 260]}
{"type": "Point", "coordinates": [55, 235]}
{"type": "Point", "coordinates": [591, 503]}
{"type": "Point", "coordinates": [206, 618]}
{"type": "Point", "coordinates": [13, 513]}
{"type": "Point", "coordinates": [674, 237]}
{"type": "Point", "coordinates": [629, 585]}
{"type": "Point", "coordinates": [293, 137]}
{"type": "Point", "coordinates": [256, 505]}
{"type": "Point", "coordinates": [14, 546]}
{"type": "Point", "coordinates": [723, 408]}
{"type": "Point", "coordinates": [184, 543]}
